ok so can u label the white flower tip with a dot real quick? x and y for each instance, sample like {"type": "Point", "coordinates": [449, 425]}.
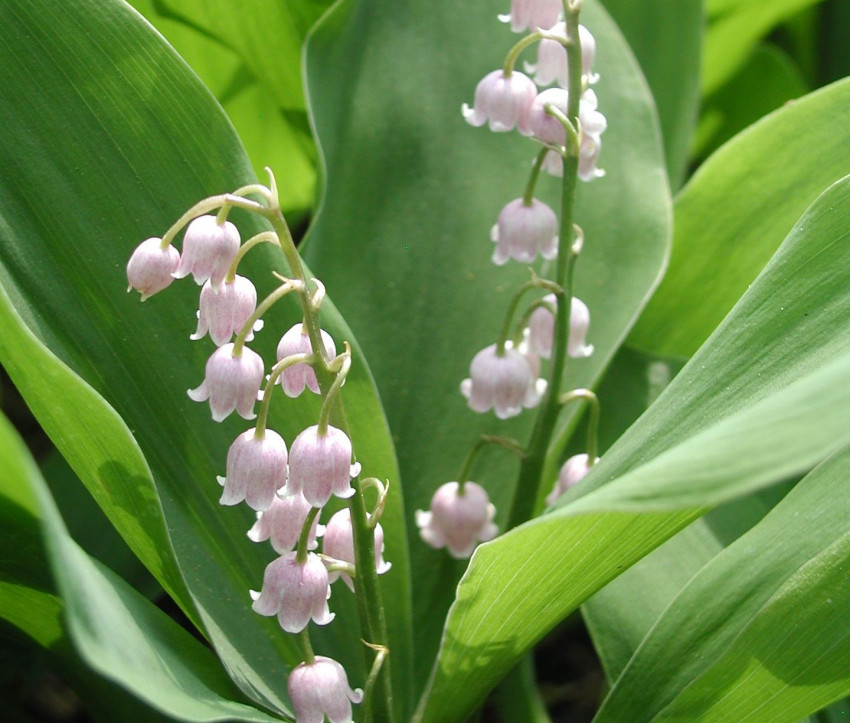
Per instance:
{"type": "Point", "coordinates": [540, 386]}
{"type": "Point", "coordinates": [258, 325]}
{"type": "Point", "coordinates": [356, 696]}
{"type": "Point", "coordinates": [466, 388]}
{"type": "Point", "coordinates": [221, 480]}
{"type": "Point", "coordinates": [504, 17]}
{"type": "Point", "coordinates": [355, 471]}
{"type": "Point", "coordinates": [254, 595]}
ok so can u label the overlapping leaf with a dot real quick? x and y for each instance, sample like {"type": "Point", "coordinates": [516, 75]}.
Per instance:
{"type": "Point", "coordinates": [766, 398]}
{"type": "Point", "coordinates": [737, 209]}
{"type": "Point", "coordinates": [410, 196]}
{"type": "Point", "coordinates": [108, 139]}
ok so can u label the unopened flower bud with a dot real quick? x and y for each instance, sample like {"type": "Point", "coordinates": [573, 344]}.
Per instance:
{"type": "Point", "coordinates": [320, 465]}
{"type": "Point", "coordinates": [295, 378]}
{"type": "Point", "coordinates": [295, 593]}
{"type": "Point", "coordinates": [339, 544]}
{"type": "Point", "coordinates": [503, 100]}
{"type": "Point", "coordinates": [541, 329]}
{"type": "Point", "coordinates": [231, 382]}
{"type": "Point", "coordinates": [504, 383]}
{"type": "Point", "coordinates": [208, 250]}
{"type": "Point", "coordinates": [224, 312]}
{"type": "Point", "coordinates": [572, 471]}
{"type": "Point", "coordinates": [320, 689]}
{"type": "Point", "coordinates": [533, 14]}
{"type": "Point", "coordinates": [458, 521]}
{"type": "Point", "coordinates": [281, 523]}
{"type": "Point", "coordinates": [256, 469]}
{"type": "Point", "coordinates": [522, 231]}
{"type": "Point", "coordinates": [151, 267]}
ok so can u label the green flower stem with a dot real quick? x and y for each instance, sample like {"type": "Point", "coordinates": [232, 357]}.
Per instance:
{"type": "Point", "coordinates": [526, 318]}
{"type": "Point", "coordinates": [513, 53]}
{"type": "Point", "coordinates": [528, 194]}
{"type": "Point", "coordinates": [288, 286]}
{"type": "Point", "coordinates": [309, 656]}
{"type": "Point", "coordinates": [593, 422]}
{"type": "Point", "coordinates": [262, 237]}
{"type": "Point", "coordinates": [535, 283]}
{"type": "Point", "coordinates": [370, 606]}
{"type": "Point", "coordinates": [531, 468]}
{"type": "Point", "coordinates": [202, 207]}
{"type": "Point", "coordinates": [332, 394]}
{"type": "Point", "coordinates": [277, 370]}
{"type": "Point", "coordinates": [484, 440]}
{"type": "Point", "coordinates": [304, 539]}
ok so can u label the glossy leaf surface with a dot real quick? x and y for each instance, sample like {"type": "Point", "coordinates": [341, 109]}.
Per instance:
{"type": "Point", "coordinates": [765, 399]}
{"type": "Point", "coordinates": [129, 140]}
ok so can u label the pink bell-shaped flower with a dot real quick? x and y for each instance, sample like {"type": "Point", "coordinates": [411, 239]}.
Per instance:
{"type": "Point", "coordinates": [150, 267]}
{"type": "Point", "coordinates": [295, 378]}
{"type": "Point", "coordinates": [320, 689]}
{"type": "Point", "coordinates": [320, 465]}
{"type": "Point", "coordinates": [572, 471]}
{"type": "Point", "coordinates": [503, 100]}
{"type": "Point", "coordinates": [231, 382]}
{"type": "Point", "coordinates": [541, 329]}
{"type": "Point", "coordinates": [208, 250]}
{"type": "Point", "coordinates": [281, 523]}
{"type": "Point", "coordinates": [543, 125]}
{"type": "Point", "coordinates": [552, 58]}
{"type": "Point", "coordinates": [458, 521]}
{"type": "Point", "coordinates": [256, 469]}
{"type": "Point", "coordinates": [294, 592]}
{"type": "Point", "coordinates": [339, 544]}
{"type": "Point", "coordinates": [592, 125]}
{"type": "Point", "coordinates": [504, 383]}
{"type": "Point", "coordinates": [224, 312]}
{"type": "Point", "coordinates": [523, 231]}
{"type": "Point", "coordinates": [532, 14]}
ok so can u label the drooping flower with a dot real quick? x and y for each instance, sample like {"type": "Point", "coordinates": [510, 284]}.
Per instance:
{"type": "Point", "coordinates": [256, 469]}
{"type": "Point", "coordinates": [224, 312]}
{"type": "Point", "coordinates": [592, 125]}
{"type": "Point", "coordinates": [295, 378]}
{"type": "Point", "coordinates": [524, 230]}
{"type": "Point", "coordinates": [231, 382]}
{"type": "Point", "coordinates": [541, 329]}
{"type": "Point", "coordinates": [294, 592]}
{"type": "Point", "coordinates": [572, 471]}
{"type": "Point", "coordinates": [543, 125]}
{"type": "Point", "coordinates": [458, 521]}
{"type": "Point", "coordinates": [281, 523]}
{"type": "Point", "coordinates": [320, 689]}
{"type": "Point", "coordinates": [532, 14]}
{"type": "Point", "coordinates": [504, 383]}
{"type": "Point", "coordinates": [320, 465]}
{"type": "Point", "coordinates": [208, 250]}
{"type": "Point", "coordinates": [552, 58]}
{"type": "Point", "coordinates": [339, 544]}
{"type": "Point", "coordinates": [503, 100]}
{"type": "Point", "coordinates": [150, 267]}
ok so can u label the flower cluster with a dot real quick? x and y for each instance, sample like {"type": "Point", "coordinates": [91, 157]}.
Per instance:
{"type": "Point", "coordinates": [566, 123]}
{"type": "Point", "coordinates": [287, 487]}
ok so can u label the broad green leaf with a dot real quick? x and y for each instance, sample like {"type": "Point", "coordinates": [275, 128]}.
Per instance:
{"type": "Point", "coordinates": [729, 218]}
{"type": "Point", "coordinates": [402, 235]}
{"type": "Point", "coordinates": [765, 399]}
{"type": "Point", "coordinates": [98, 154]}
{"type": "Point", "coordinates": [668, 46]}
{"type": "Point", "coordinates": [735, 29]}
{"type": "Point", "coordinates": [119, 632]}
{"type": "Point", "coordinates": [767, 81]}
{"type": "Point", "coordinates": [264, 103]}
{"type": "Point", "coordinates": [773, 646]}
